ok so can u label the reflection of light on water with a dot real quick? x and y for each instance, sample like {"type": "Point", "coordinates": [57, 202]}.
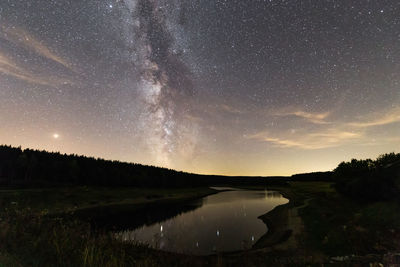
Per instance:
{"type": "Point", "coordinates": [272, 194]}
{"type": "Point", "coordinates": [234, 212]}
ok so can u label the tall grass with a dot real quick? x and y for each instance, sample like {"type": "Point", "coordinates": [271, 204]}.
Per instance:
{"type": "Point", "coordinates": [33, 239]}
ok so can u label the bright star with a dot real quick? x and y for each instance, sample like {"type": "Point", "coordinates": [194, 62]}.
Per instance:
{"type": "Point", "coordinates": [56, 136]}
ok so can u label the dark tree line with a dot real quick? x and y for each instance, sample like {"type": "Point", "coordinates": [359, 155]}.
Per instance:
{"type": "Point", "coordinates": [362, 179]}
{"type": "Point", "coordinates": [313, 176]}
{"type": "Point", "coordinates": [370, 179]}
{"type": "Point", "coordinates": [40, 168]}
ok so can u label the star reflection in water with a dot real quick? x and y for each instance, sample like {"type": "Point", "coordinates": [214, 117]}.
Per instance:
{"type": "Point", "coordinates": [213, 227]}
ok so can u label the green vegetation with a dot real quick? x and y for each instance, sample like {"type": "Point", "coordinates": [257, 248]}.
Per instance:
{"type": "Point", "coordinates": [356, 216]}
{"type": "Point", "coordinates": [70, 199]}
{"type": "Point", "coordinates": [31, 234]}
{"type": "Point", "coordinates": [335, 225]}
{"type": "Point", "coordinates": [35, 240]}
{"type": "Point", "coordinates": [369, 180]}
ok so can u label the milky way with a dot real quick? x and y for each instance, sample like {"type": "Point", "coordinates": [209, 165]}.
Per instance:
{"type": "Point", "coordinates": [165, 81]}
{"type": "Point", "coordinates": [229, 87]}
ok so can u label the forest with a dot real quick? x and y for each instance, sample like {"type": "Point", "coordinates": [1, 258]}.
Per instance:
{"type": "Point", "coordinates": [351, 211]}
{"type": "Point", "coordinates": [33, 168]}
{"type": "Point", "coordinates": [364, 179]}
{"type": "Point", "coordinates": [369, 180]}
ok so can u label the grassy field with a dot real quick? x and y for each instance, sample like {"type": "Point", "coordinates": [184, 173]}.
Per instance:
{"type": "Point", "coordinates": [335, 226]}
{"type": "Point", "coordinates": [317, 225]}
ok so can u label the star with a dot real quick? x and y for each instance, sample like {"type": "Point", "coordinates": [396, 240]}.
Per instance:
{"type": "Point", "coordinates": [202, 86]}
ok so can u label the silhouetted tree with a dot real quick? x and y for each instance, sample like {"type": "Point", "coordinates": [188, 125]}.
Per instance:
{"type": "Point", "coordinates": [40, 168]}
{"type": "Point", "coordinates": [369, 179]}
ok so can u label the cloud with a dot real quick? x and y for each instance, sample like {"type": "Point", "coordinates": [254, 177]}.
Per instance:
{"type": "Point", "coordinates": [388, 117]}
{"type": "Point", "coordinates": [230, 109]}
{"type": "Point", "coordinates": [23, 77]}
{"type": "Point", "coordinates": [321, 139]}
{"type": "Point", "coordinates": [20, 36]}
{"type": "Point", "coordinates": [317, 118]}
{"type": "Point", "coordinates": [378, 119]}
{"type": "Point", "coordinates": [8, 63]}
{"type": "Point", "coordinates": [9, 67]}
{"type": "Point", "coordinates": [193, 118]}
{"type": "Point", "coordinates": [328, 134]}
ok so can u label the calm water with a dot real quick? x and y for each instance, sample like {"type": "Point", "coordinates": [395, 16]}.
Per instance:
{"type": "Point", "coordinates": [226, 221]}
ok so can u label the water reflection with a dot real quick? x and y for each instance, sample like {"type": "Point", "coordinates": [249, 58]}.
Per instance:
{"type": "Point", "coordinates": [128, 217]}
{"type": "Point", "coordinates": [226, 221]}
{"type": "Point", "coordinates": [272, 194]}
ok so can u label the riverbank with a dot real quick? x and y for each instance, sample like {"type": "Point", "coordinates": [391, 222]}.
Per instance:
{"type": "Point", "coordinates": [38, 227]}
{"type": "Point", "coordinates": [68, 200]}
{"type": "Point", "coordinates": [318, 225]}
{"type": "Point", "coordinates": [284, 222]}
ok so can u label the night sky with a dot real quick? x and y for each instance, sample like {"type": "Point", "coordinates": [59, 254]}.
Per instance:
{"type": "Point", "coordinates": [232, 87]}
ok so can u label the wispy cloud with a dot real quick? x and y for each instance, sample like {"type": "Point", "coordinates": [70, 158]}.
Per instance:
{"type": "Point", "coordinates": [327, 134]}
{"type": "Point", "coordinates": [193, 118]}
{"type": "Point", "coordinates": [317, 118]}
{"type": "Point", "coordinates": [22, 37]}
{"type": "Point", "coordinates": [9, 67]}
{"type": "Point", "coordinates": [8, 63]}
{"type": "Point", "coordinates": [230, 109]}
{"type": "Point", "coordinates": [325, 138]}
{"type": "Point", "coordinates": [383, 118]}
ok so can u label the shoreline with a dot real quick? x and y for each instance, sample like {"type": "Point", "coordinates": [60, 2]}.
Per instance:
{"type": "Point", "coordinates": [283, 222]}
{"type": "Point", "coordinates": [114, 208]}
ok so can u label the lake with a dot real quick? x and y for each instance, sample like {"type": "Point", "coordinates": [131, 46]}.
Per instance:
{"type": "Point", "coordinates": [226, 221]}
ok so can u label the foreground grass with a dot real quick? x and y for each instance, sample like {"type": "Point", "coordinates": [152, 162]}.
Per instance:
{"type": "Point", "coordinates": [33, 240]}
{"type": "Point", "coordinates": [30, 237]}
{"type": "Point", "coordinates": [332, 225]}
{"type": "Point", "coordinates": [337, 226]}
{"type": "Point", "coordinates": [68, 199]}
